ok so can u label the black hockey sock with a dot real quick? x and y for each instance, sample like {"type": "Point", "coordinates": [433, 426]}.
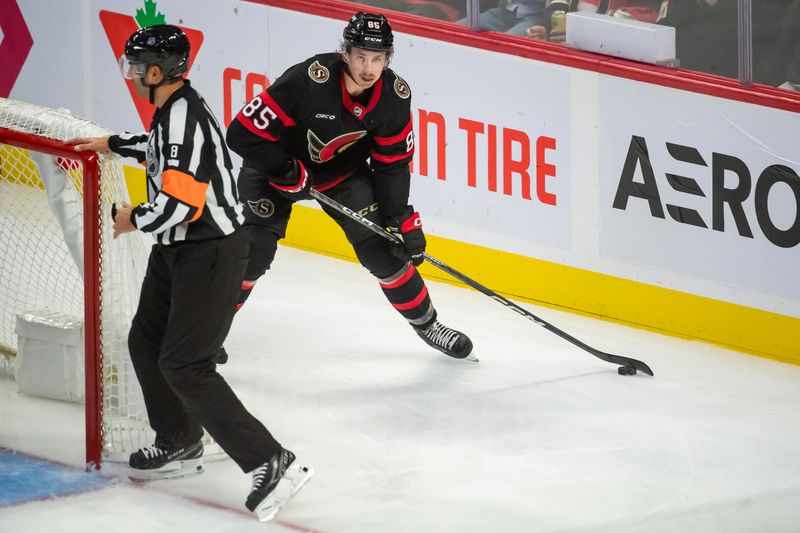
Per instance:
{"type": "Point", "coordinates": [407, 293]}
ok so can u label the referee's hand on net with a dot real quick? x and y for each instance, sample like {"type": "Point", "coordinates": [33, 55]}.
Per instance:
{"type": "Point", "coordinates": [94, 144]}
{"type": "Point", "coordinates": [122, 220]}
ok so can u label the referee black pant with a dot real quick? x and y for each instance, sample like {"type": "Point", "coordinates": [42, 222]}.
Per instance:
{"type": "Point", "coordinates": [186, 307]}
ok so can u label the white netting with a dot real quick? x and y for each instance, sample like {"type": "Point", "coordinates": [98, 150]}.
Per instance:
{"type": "Point", "coordinates": [41, 221]}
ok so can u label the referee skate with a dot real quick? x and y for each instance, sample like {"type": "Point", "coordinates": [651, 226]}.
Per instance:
{"type": "Point", "coordinates": [275, 483]}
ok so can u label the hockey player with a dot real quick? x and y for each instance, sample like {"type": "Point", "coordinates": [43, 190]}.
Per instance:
{"type": "Point", "coordinates": [193, 276]}
{"type": "Point", "coordinates": [341, 122]}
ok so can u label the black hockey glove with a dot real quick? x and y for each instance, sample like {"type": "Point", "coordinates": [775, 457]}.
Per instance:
{"type": "Point", "coordinates": [409, 227]}
{"type": "Point", "coordinates": [295, 184]}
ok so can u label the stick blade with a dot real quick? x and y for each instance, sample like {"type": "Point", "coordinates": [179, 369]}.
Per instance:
{"type": "Point", "coordinates": [642, 367]}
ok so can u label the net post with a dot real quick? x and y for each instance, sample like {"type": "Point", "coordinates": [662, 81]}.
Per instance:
{"type": "Point", "coordinates": [91, 243]}
{"type": "Point", "coordinates": [91, 309]}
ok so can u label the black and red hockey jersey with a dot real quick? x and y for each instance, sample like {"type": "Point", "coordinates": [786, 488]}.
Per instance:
{"type": "Point", "coordinates": [307, 114]}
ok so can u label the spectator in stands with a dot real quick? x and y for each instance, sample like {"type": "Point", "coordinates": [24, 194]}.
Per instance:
{"type": "Point", "coordinates": [513, 17]}
{"type": "Point", "coordinates": [449, 10]}
{"type": "Point", "coordinates": [790, 41]}
{"type": "Point", "coordinates": [706, 33]}
{"type": "Point", "coordinates": [642, 10]}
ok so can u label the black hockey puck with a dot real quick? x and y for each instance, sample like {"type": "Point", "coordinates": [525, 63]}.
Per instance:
{"type": "Point", "coordinates": [626, 371]}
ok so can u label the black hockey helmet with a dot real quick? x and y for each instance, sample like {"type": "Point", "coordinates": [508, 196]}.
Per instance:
{"type": "Point", "coordinates": [163, 45]}
{"type": "Point", "coordinates": [370, 32]}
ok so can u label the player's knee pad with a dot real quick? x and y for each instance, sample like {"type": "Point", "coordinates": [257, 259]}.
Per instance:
{"type": "Point", "coordinates": [263, 245]}
{"type": "Point", "coordinates": [374, 255]}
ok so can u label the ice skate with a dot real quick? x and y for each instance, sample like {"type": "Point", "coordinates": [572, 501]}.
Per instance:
{"type": "Point", "coordinates": [447, 340]}
{"type": "Point", "coordinates": [275, 483]}
{"type": "Point", "coordinates": [154, 462]}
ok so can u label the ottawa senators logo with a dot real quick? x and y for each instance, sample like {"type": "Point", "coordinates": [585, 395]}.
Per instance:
{"type": "Point", "coordinates": [401, 88]}
{"type": "Point", "coordinates": [263, 207]}
{"type": "Point", "coordinates": [318, 73]}
{"type": "Point", "coordinates": [321, 152]}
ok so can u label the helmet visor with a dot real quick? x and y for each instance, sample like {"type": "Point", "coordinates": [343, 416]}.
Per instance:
{"type": "Point", "coordinates": [130, 69]}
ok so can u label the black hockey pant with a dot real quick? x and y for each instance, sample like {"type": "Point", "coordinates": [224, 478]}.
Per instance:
{"type": "Point", "coordinates": [267, 215]}
{"type": "Point", "coordinates": [185, 310]}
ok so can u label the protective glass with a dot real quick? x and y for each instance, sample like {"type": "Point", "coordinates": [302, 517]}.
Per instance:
{"type": "Point", "coordinates": [130, 69]}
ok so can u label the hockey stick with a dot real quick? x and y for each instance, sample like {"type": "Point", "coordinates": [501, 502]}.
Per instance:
{"type": "Point", "coordinates": [628, 366]}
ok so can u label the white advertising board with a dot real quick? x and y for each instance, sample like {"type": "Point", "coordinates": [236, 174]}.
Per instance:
{"type": "Point", "coordinates": [706, 187]}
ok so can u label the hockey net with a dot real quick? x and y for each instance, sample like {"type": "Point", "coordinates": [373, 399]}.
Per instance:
{"type": "Point", "coordinates": [45, 243]}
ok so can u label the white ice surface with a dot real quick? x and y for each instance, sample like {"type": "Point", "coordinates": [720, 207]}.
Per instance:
{"type": "Point", "coordinates": [538, 437]}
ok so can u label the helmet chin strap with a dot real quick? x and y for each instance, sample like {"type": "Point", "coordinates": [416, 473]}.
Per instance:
{"type": "Point", "coordinates": [349, 74]}
{"type": "Point", "coordinates": [346, 70]}
{"type": "Point", "coordinates": [154, 86]}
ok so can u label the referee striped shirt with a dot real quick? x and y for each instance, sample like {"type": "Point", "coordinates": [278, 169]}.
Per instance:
{"type": "Point", "coordinates": [191, 190]}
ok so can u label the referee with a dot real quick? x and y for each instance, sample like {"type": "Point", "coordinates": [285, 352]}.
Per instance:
{"type": "Point", "coordinates": [194, 274]}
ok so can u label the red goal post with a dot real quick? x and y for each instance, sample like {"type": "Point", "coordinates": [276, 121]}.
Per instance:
{"type": "Point", "coordinates": [91, 291]}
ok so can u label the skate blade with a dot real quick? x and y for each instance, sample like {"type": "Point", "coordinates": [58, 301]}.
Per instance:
{"type": "Point", "coordinates": [174, 470]}
{"type": "Point", "coordinates": [290, 484]}
{"type": "Point", "coordinates": [469, 357]}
